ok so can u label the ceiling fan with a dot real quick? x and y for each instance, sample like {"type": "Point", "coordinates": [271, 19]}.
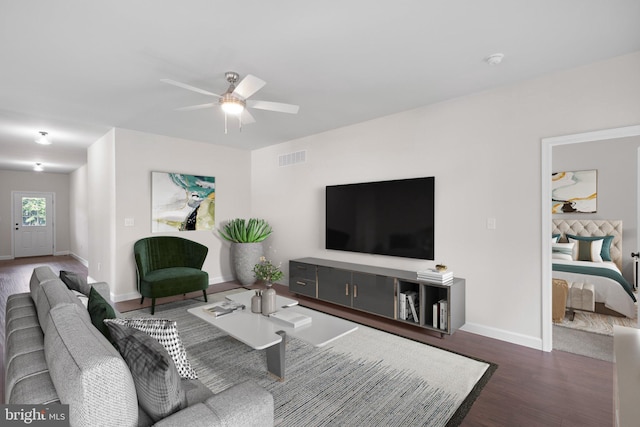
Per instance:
{"type": "Point", "coordinates": [234, 101]}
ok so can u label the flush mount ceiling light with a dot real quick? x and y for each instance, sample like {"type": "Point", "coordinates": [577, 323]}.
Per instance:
{"type": "Point", "coordinates": [232, 105]}
{"type": "Point", "coordinates": [494, 59]}
{"type": "Point", "coordinates": [43, 138]}
{"type": "Point", "coordinates": [38, 167]}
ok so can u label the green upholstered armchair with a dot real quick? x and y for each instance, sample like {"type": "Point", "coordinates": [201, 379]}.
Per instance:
{"type": "Point", "coordinates": [169, 266]}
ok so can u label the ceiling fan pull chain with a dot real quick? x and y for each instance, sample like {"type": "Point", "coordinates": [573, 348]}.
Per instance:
{"type": "Point", "coordinates": [225, 123]}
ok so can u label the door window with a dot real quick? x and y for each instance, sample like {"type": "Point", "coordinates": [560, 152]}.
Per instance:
{"type": "Point", "coordinates": [34, 212]}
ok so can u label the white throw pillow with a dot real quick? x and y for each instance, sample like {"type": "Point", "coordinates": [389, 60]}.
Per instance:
{"type": "Point", "coordinates": [562, 251]}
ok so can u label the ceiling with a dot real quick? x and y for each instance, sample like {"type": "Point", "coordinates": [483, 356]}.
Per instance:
{"type": "Point", "coordinates": [76, 69]}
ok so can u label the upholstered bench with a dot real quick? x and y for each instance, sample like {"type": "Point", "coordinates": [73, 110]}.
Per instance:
{"type": "Point", "coordinates": [581, 296]}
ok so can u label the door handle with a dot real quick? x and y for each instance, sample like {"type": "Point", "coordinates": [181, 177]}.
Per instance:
{"type": "Point", "coordinates": [355, 291]}
{"type": "Point", "coordinates": [346, 289]}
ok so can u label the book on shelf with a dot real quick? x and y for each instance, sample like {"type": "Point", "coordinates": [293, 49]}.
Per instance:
{"type": "Point", "coordinates": [435, 314]}
{"type": "Point", "coordinates": [402, 306]}
{"type": "Point", "coordinates": [412, 299]}
{"type": "Point", "coordinates": [223, 308]}
{"type": "Point", "coordinates": [291, 318]}
{"type": "Point", "coordinates": [443, 314]}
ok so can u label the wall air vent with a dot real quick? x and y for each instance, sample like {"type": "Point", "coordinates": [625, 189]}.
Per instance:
{"type": "Point", "coordinates": [292, 158]}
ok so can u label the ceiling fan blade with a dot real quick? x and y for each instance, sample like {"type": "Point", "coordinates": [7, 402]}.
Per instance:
{"type": "Point", "coordinates": [246, 117]}
{"type": "Point", "coordinates": [197, 107]}
{"type": "Point", "coordinates": [274, 106]}
{"type": "Point", "coordinates": [188, 87]}
{"type": "Point", "coordinates": [248, 86]}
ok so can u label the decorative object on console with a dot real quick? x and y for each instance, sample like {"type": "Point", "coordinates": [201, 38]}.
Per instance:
{"type": "Point", "coordinates": [434, 275]}
{"type": "Point", "coordinates": [181, 202]}
{"type": "Point", "coordinates": [441, 268]}
{"type": "Point", "coordinates": [246, 239]}
{"type": "Point", "coordinates": [574, 192]}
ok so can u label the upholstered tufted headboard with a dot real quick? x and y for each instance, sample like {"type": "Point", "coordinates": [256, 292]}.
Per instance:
{"type": "Point", "coordinates": [593, 227]}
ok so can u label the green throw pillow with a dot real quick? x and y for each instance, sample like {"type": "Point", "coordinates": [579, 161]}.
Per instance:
{"type": "Point", "coordinates": [99, 310]}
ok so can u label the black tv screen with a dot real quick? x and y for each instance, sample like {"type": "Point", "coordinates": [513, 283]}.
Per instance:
{"type": "Point", "coordinates": [392, 218]}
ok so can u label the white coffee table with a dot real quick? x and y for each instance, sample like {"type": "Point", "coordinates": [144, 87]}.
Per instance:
{"type": "Point", "coordinates": [264, 333]}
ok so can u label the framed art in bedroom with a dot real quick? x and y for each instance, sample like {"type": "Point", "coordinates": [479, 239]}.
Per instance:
{"type": "Point", "coordinates": [574, 191]}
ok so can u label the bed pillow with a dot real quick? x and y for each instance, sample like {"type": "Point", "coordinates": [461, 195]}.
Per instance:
{"type": "Point", "coordinates": [587, 250]}
{"type": "Point", "coordinates": [166, 332]}
{"type": "Point", "coordinates": [605, 253]}
{"type": "Point", "coordinates": [562, 251]}
{"type": "Point", "coordinates": [555, 238]}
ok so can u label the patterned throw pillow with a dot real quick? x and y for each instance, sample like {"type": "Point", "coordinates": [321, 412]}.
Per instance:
{"type": "Point", "coordinates": [607, 241]}
{"type": "Point", "coordinates": [588, 250]}
{"type": "Point", "coordinates": [562, 251]}
{"type": "Point", "coordinates": [166, 332]}
{"type": "Point", "coordinates": [158, 385]}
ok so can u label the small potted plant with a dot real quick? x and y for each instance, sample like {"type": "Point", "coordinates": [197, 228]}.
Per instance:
{"type": "Point", "coordinates": [246, 239]}
{"type": "Point", "coordinates": [267, 272]}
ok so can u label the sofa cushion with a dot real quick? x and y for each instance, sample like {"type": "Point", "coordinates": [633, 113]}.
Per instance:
{"type": "Point", "coordinates": [88, 372]}
{"type": "Point", "coordinates": [157, 382]}
{"type": "Point", "coordinates": [39, 276]}
{"type": "Point", "coordinates": [27, 380]}
{"type": "Point", "coordinates": [166, 332]}
{"type": "Point", "coordinates": [50, 294]}
{"type": "Point", "coordinates": [99, 310]}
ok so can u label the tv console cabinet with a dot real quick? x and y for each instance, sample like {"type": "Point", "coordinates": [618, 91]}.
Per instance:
{"type": "Point", "coordinates": [377, 290]}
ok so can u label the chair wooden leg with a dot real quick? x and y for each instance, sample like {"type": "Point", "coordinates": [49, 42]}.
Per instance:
{"type": "Point", "coordinates": [153, 306]}
{"type": "Point", "coordinates": [205, 296]}
{"type": "Point", "coordinates": [142, 300]}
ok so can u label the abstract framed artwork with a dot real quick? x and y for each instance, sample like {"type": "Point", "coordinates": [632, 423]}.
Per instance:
{"type": "Point", "coordinates": [181, 202]}
{"type": "Point", "coordinates": [574, 192]}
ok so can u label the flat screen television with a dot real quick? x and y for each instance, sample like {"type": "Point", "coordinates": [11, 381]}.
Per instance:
{"type": "Point", "coordinates": [394, 218]}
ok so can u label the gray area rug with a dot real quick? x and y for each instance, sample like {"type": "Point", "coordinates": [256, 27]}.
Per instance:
{"type": "Point", "coordinates": [597, 346]}
{"type": "Point", "coordinates": [367, 378]}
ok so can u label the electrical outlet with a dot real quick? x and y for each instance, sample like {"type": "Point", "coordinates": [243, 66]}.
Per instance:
{"type": "Point", "coordinates": [491, 223]}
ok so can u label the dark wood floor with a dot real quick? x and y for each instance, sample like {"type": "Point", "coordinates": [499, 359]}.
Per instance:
{"type": "Point", "coordinates": [529, 388]}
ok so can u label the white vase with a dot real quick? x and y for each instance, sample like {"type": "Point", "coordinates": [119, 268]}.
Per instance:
{"type": "Point", "coordinates": [268, 301]}
{"type": "Point", "coordinates": [245, 256]}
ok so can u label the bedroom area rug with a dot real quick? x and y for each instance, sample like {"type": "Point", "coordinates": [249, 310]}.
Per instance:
{"type": "Point", "coordinates": [589, 334]}
{"type": "Point", "coordinates": [369, 377]}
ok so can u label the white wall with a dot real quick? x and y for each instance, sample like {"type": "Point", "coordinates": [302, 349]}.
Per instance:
{"type": "Point", "coordinates": [78, 219]}
{"type": "Point", "coordinates": [484, 151]}
{"type": "Point", "coordinates": [34, 181]}
{"type": "Point", "coordinates": [135, 156]}
{"type": "Point", "coordinates": [617, 164]}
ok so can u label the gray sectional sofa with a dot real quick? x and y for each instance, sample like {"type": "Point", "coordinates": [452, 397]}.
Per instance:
{"type": "Point", "coordinates": [54, 354]}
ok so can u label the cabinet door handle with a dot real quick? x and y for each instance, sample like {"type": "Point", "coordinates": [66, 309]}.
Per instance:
{"type": "Point", "coordinates": [355, 291]}
{"type": "Point", "coordinates": [301, 283]}
{"type": "Point", "coordinates": [346, 289]}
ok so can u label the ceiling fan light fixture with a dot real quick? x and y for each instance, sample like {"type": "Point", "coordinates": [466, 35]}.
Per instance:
{"type": "Point", "coordinates": [38, 167]}
{"type": "Point", "coordinates": [43, 138]}
{"type": "Point", "coordinates": [231, 105]}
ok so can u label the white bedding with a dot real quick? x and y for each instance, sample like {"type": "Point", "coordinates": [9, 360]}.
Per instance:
{"type": "Point", "coordinates": [608, 291]}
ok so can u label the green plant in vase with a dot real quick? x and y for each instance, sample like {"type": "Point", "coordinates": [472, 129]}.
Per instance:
{"type": "Point", "coordinates": [246, 237]}
{"type": "Point", "coordinates": [266, 271]}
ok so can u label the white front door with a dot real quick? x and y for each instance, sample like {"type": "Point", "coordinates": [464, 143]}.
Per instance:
{"type": "Point", "coordinates": [32, 224]}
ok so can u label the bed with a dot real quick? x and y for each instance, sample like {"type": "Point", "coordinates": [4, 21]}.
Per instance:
{"type": "Point", "coordinates": [590, 251]}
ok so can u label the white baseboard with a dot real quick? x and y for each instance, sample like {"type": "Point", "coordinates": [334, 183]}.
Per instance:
{"type": "Point", "coordinates": [61, 253]}
{"type": "Point", "coordinates": [502, 335]}
{"type": "Point", "coordinates": [6, 257]}
{"type": "Point", "coordinates": [80, 259]}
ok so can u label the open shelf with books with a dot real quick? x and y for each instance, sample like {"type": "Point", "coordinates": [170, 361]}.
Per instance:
{"type": "Point", "coordinates": [409, 303]}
